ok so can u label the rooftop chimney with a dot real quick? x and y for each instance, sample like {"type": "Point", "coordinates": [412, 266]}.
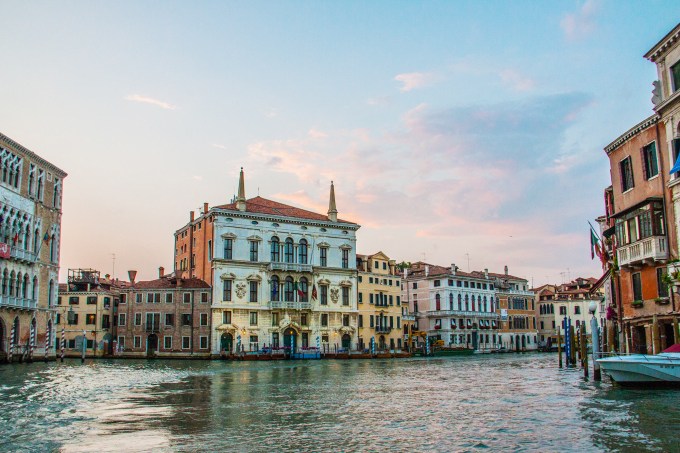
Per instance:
{"type": "Point", "coordinates": [241, 198]}
{"type": "Point", "coordinates": [132, 275]}
{"type": "Point", "coordinates": [205, 208]}
{"type": "Point", "coordinates": [506, 270]}
{"type": "Point", "coordinates": [453, 269]}
{"type": "Point", "coordinates": [427, 271]}
{"type": "Point", "coordinates": [332, 210]}
{"type": "Point", "coordinates": [191, 216]}
{"type": "Point", "coordinates": [486, 273]}
{"type": "Point", "coordinates": [405, 273]}
{"type": "Point", "coordinates": [161, 272]}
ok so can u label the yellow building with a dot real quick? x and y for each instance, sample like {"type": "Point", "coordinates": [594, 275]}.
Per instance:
{"type": "Point", "coordinates": [379, 303]}
{"type": "Point", "coordinates": [86, 305]}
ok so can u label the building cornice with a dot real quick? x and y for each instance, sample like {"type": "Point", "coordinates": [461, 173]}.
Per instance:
{"type": "Point", "coordinates": [278, 219]}
{"type": "Point", "coordinates": [33, 156]}
{"type": "Point", "coordinates": [664, 45]}
{"type": "Point", "coordinates": [632, 132]}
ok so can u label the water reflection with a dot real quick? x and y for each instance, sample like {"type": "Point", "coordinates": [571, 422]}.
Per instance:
{"type": "Point", "coordinates": [510, 402]}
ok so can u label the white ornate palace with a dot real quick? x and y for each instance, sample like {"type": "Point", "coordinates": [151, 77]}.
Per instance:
{"type": "Point", "coordinates": [281, 276]}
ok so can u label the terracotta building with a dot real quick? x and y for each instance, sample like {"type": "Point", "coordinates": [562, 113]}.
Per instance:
{"type": "Point", "coordinates": [166, 317]}
{"type": "Point", "coordinates": [30, 233]}
{"type": "Point", "coordinates": [379, 303]}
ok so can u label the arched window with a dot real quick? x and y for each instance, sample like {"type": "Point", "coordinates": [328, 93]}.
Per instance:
{"type": "Point", "coordinates": [467, 303]}
{"type": "Point", "coordinates": [473, 303]}
{"type": "Point", "coordinates": [36, 240]}
{"type": "Point", "coordinates": [24, 287]}
{"type": "Point", "coordinates": [34, 289]}
{"type": "Point", "coordinates": [460, 302]}
{"type": "Point", "coordinates": [276, 251]}
{"type": "Point", "coordinates": [4, 282]}
{"type": "Point", "coordinates": [303, 288]}
{"type": "Point", "coordinates": [552, 309]}
{"type": "Point", "coordinates": [11, 284]}
{"type": "Point", "coordinates": [25, 240]}
{"type": "Point", "coordinates": [302, 251]}
{"type": "Point", "coordinates": [485, 303]}
{"type": "Point", "coordinates": [450, 301]}
{"type": "Point", "coordinates": [438, 300]}
{"type": "Point", "coordinates": [53, 249]}
{"type": "Point", "coordinates": [275, 288]}
{"type": "Point", "coordinates": [50, 294]}
{"type": "Point", "coordinates": [288, 290]}
{"type": "Point", "coordinates": [15, 338]}
{"type": "Point", "coordinates": [288, 251]}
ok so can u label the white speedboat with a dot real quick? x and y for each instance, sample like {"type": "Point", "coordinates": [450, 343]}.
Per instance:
{"type": "Point", "coordinates": [634, 369]}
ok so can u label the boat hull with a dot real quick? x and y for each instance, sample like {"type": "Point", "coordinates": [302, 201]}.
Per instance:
{"type": "Point", "coordinates": [450, 352]}
{"type": "Point", "coordinates": [643, 369]}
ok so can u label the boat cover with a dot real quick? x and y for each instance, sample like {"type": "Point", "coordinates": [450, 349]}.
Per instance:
{"type": "Point", "coordinates": [674, 348]}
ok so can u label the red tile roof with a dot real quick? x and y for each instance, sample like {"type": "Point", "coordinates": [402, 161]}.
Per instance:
{"type": "Point", "coordinates": [171, 283]}
{"type": "Point", "coordinates": [259, 205]}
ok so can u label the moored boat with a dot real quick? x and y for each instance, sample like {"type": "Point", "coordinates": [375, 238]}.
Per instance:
{"type": "Point", "coordinates": [447, 351]}
{"type": "Point", "coordinates": [663, 368]}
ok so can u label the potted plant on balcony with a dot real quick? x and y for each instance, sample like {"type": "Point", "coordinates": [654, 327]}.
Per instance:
{"type": "Point", "coordinates": [662, 300]}
{"type": "Point", "coordinates": [637, 304]}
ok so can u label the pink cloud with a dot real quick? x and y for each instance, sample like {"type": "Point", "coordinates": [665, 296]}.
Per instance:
{"type": "Point", "coordinates": [580, 24]}
{"type": "Point", "coordinates": [150, 100]}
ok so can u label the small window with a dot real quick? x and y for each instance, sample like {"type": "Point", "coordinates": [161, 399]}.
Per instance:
{"type": "Point", "coordinates": [437, 283]}
{"type": "Point", "coordinates": [204, 297]}
{"type": "Point", "coordinates": [168, 298]}
{"type": "Point", "coordinates": [577, 310]}
{"type": "Point", "coordinates": [186, 342]}
{"type": "Point", "coordinates": [138, 342]}
{"type": "Point", "coordinates": [203, 342]}
{"type": "Point", "coordinates": [138, 319]}
{"type": "Point", "coordinates": [187, 298]}
{"type": "Point", "coordinates": [73, 300]}
{"type": "Point", "coordinates": [167, 342]}
{"type": "Point", "coordinates": [169, 319]}
{"type": "Point", "coordinates": [138, 298]}
{"type": "Point", "coordinates": [650, 165]}
{"type": "Point", "coordinates": [626, 171]}
{"type": "Point", "coordinates": [324, 319]}
{"type": "Point", "coordinates": [204, 319]}
{"type": "Point", "coordinates": [675, 75]}
{"type": "Point", "coordinates": [253, 318]}
{"type": "Point", "coordinates": [121, 342]}
{"type": "Point", "coordinates": [186, 319]}
{"type": "Point", "coordinates": [91, 319]}
{"type": "Point", "coordinates": [226, 317]}
{"type": "Point", "coordinates": [121, 319]}
{"type": "Point", "coordinates": [91, 300]}
{"type": "Point", "coordinates": [637, 286]}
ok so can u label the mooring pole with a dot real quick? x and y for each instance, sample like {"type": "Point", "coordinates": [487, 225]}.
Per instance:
{"type": "Point", "coordinates": [559, 346]}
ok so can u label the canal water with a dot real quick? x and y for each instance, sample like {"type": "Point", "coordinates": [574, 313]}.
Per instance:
{"type": "Point", "coordinates": [494, 403]}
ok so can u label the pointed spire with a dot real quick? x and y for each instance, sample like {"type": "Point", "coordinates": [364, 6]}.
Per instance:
{"type": "Point", "coordinates": [241, 198]}
{"type": "Point", "coordinates": [332, 210]}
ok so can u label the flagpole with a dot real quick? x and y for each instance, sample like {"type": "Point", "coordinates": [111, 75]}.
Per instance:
{"type": "Point", "coordinates": [593, 229]}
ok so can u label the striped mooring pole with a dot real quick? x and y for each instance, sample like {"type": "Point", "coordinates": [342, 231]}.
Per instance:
{"type": "Point", "coordinates": [31, 346]}
{"type": "Point", "coordinates": [63, 344]}
{"type": "Point", "coordinates": [12, 332]}
{"type": "Point", "coordinates": [48, 342]}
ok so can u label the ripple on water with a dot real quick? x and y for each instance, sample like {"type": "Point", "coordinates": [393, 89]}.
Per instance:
{"type": "Point", "coordinates": [497, 403]}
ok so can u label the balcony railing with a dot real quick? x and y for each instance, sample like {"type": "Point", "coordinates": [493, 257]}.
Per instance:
{"type": "Point", "coordinates": [477, 314]}
{"type": "Point", "coordinates": [654, 248]}
{"type": "Point", "coordinates": [383, 329]}
{"type": "Point", "coordinates": [290, 267]}
{"type": "Point", "coordinates": [290, 305]}
{"type": "Point", "coordinates": [409, 317]}
{"type": "Point", "coordinates": [22, 255]}
{"type": "Point", "coordinates": [17, 302]}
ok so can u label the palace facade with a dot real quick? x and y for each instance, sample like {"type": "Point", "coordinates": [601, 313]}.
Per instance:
{"type": "Point", "coordinates": [281, 276]}
{"type": "Point", "coordinates": [30, 233]}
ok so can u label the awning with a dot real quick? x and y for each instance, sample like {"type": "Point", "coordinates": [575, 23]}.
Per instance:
{"type": "Point", "coordinates": [609, 232]}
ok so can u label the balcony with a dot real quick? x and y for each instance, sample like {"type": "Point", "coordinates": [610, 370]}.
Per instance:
{"type": "Point", "coordinates": [383, 329]}
{"type": "Point", "coordinates": [651, 249]}
{"type": "Point", "coordinates": [290, 267]}
{"type": "Point", "coordinates": [22, 255]}
{"type": "Point", "coordinates": [464, 313]}
{"type": "Point", "coordinates": [153, 327]}
{"type": "Point", "coordinates": [290, 305]}
{"type": "Point", "coordinates": [409, 317]}
{"type": "Point", "coordinates": [17, 302]}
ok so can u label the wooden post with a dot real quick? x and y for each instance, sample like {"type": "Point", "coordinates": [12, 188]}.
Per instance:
{"type": "Point", "coordinates": [559, 346]}
{"type": "Point", "coordinates": [578, 345]}
{"type": "Point", "coordinates": [676, 337]}
{"type": "Point", "coordinates": [572, 344]}
{"type": "Point", "coordinates": [656, 336]}
{"type": "Point", "coordinates": [584, 350]}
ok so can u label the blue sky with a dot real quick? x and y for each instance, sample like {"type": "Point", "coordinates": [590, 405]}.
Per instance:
{"type": "Point", "coordinates": [449, 128]}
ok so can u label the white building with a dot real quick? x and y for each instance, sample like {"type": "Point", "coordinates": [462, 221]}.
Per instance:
{"type": "Point", "coordinates": [456, 307]}
{"type": "Point", "coordinates": [281, 276]}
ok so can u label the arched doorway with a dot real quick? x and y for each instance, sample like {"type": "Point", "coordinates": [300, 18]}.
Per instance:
{"type": "Point", "coordinates": [106, 345]}
{"type": "Point", "coordinates": [152, 344]}
{"type": "Point", "coordinates": [346, 341]}
{"type": "Point", "coordinates": [381, 342]}
{"type": "Point", "coordinates": [226, 342]}
{"type": "Point", "coordinates": [524, 342]}
{"type": "Point", "coordinates": [290, 339]}
{"type": "Point", "coordinates": [517, 343]}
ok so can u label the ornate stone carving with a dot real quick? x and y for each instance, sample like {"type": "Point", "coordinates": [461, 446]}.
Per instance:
{"type": "Point", "coordinates": [240, 290]}
{"type": "Point", "coordinates": [335, 295]}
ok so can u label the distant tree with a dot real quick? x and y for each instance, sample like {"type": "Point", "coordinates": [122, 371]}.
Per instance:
{"type": "Point", "coordinates": [403, 265]}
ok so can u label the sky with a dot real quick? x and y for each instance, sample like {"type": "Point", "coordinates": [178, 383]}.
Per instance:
{"type": "Point", "coordinates": [466, 132]}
